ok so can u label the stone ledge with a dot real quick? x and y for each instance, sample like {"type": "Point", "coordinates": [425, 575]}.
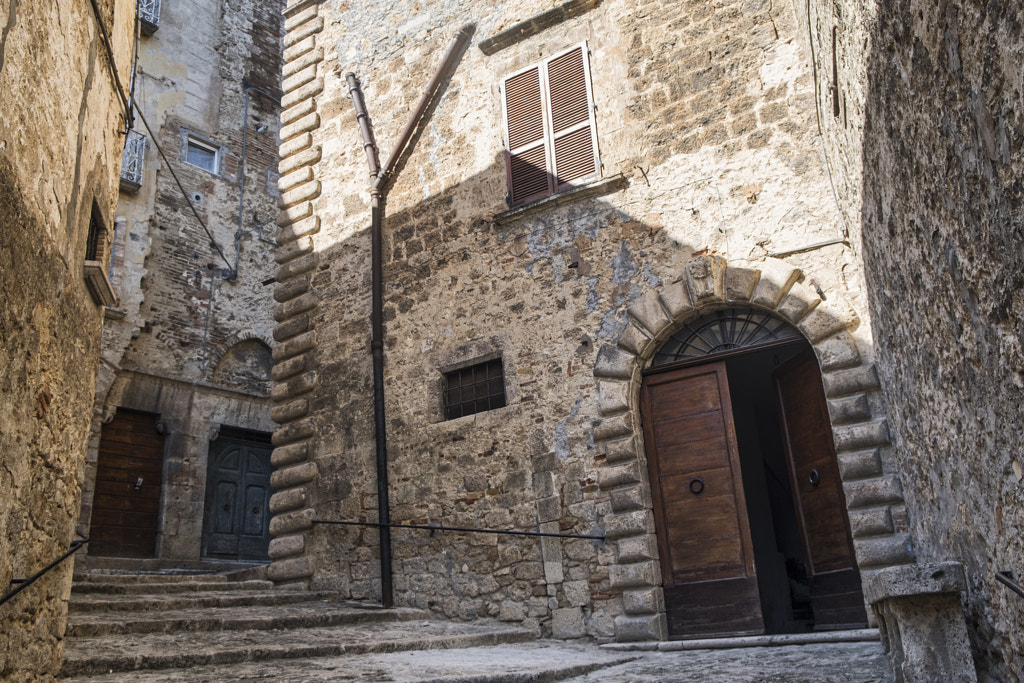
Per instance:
{"type": "Point", "coordinates": [285, 331]}
{"type": "Point", "coordinates": [293, 250]}
{"type": "Point", "coordinates": [293, 347]}
{"type": "Point", "coordinates": [534, 25]}
{"type": "Point", "coordinates": [640, 628]}
{"type": "Point", "coordinates": [916, 579]}
{"type": "Point", "coordinates": [297, 111]}
{"type": "Point", "coordinates": [299, 13]}
{"type": "Point", "coordinates": [865, 635]}
{"type": "Point", "coordinates": [314, 56]}
{"type": "Point", "coordinates": [596, 188]}
{"type": "Point", "coordinates": [922, 623]}
{"type": "Point", "coordinates": [305, 30]}
{"type": "Point", "coordinates": [296, 6]}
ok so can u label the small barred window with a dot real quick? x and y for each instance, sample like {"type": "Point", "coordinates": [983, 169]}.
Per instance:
{"type": "Point", "coordinates": [474, 389]}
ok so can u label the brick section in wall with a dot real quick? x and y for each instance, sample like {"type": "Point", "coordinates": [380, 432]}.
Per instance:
{"type": "Point", "coordinates": [294, 373]}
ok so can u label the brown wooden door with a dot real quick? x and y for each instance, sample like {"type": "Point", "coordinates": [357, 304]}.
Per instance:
{"type": "Point", "coordinates": [836, 596]}
{"type": "Point", "coordinates": [707, 558]}
{"type": "Point", "coordinates": [126, 505]}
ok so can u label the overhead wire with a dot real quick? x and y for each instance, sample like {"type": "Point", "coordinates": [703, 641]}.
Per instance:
{"type": "Point", "coordinates": [202, 223]}
{"type": "Point", "coordinates": [105, 39]}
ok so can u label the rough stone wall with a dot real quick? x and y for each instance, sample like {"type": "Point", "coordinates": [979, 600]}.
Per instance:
{"type": "Point", "coordinates": [186, 319]}
{"type": "Point", "coordinates": [61, 132]}
{"type": "Point", "coordinates": [706, 111]}
{"type": "Point", "coordinates": [942, 218]}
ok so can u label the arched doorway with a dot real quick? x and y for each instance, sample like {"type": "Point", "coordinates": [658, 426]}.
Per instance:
{"type": "Point", "coordinates": [751, 520]}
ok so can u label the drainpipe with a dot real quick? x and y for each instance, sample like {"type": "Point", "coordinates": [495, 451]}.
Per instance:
{"type": "Point", "coordinates": [378, 197]}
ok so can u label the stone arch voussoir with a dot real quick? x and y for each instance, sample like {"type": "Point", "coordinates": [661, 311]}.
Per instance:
{"type": "Point", "coordinates": [874, 496]}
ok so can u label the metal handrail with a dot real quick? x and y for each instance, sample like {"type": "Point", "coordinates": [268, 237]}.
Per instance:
{"type": "Point", "coordinates": [1006, 578]}
{"type": "Point", "coordinates": [25, 583]}
{"type": "Point", "coordinates": [438, 527]}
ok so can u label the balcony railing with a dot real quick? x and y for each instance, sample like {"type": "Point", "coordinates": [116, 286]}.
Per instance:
{"type": "Point", "coordinates": [132, 161]}
{"type": "Point", "coordinates": [149, 14]}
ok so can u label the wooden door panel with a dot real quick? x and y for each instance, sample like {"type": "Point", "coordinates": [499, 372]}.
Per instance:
{"type": "Point", "coordinates": [236, 524]}
{"type": "Point", "coordinates": [255, 505]}
{"type": "Point", "coordinates": [820, 504]}
{"type": "Point", "coordinates": [696, 456]}
{"type": "Point", "coordinates": [125, 511]}
{"type": "Point", "coordinates": [681, 400]}
{"type": "Point", "coordinates": [126, 463]}
{"type": "Point", "coordinates": [703, 531]}
{"type": "Point", "coordinates": [710, 609]}
{"type": "Point", "coordinates": [688, 429]}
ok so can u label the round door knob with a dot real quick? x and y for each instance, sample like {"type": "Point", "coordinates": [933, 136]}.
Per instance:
{"type": "Point", "coordinates": [696, 486]}
{"type": "Point", "coordinates": [227, 507]}
{"type": "Point", "coordinates": [255, 510]}
{"type": "Point", "coordinates": [814, 478]}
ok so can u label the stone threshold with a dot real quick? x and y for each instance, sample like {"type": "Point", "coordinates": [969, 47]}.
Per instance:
{"type": "Point", "coordinates": [850, 636]}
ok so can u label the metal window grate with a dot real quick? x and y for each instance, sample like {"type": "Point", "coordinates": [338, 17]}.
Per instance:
{"type": "Point", "coordinates": [474, 389]}
{"type": "Point", "coordinates": [149, 16]}
{"type": "Point", "coordinates": [723, 330]}
{"type": "Point", "coordinates": [92, 244]}
{"type": "Point", "coordinates": [132, 160]}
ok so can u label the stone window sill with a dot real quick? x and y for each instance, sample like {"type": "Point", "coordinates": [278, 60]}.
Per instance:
{"type": "Point", "coordinates": [595, 188]}
{"type": "Point", "coordinates": [98, 284]}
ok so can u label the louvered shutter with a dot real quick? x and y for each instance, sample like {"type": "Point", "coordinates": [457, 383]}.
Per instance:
{"type": "Point", "coordinates": [573, 134]}
{"type": "Point", "coordinates": [527, 156]}
{"type": "Point", "coordinates": [550, 134]}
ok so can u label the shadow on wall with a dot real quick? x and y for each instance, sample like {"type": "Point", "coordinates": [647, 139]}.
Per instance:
{"type": "Point", "coordinates": [541, 292]}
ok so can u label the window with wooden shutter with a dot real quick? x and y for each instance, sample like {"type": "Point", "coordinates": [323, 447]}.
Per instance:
{"type": "Point", "coordinates": [550, 137]}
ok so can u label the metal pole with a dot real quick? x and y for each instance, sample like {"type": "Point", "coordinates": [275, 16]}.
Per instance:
{"type": "Point", "coordinates": [378, 192]}
{"type": "Point", "coordinates": [377, 348]}
{"type": "Point", "coordinates": [377, 345]}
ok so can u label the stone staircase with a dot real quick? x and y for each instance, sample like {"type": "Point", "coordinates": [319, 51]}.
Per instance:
{"type": "Point", "coordinates": [170, 626]}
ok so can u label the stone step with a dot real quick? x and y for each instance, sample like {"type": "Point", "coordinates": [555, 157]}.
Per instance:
{"type": "Point", "coordinates": [128, 588]}
{"type": "Point", "coordinates": [128, 565]}
{"type": "Point", "coordinates": [148, 577]}
{"type": "Point", "coordinates": [180, 601]}
{"type": "Point", "coordinates": [253, 618]}
{"type": "Point", "coordinates": [508, 663]}
{"type": "Point", "coordinates": [134, 652]}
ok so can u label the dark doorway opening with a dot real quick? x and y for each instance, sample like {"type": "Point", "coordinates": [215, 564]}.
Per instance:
{"type": "Point", "coordinates": [236, 519]}
{"type": "Point", "coordinates": [126, 503]}
{"type": "Point", "coordinates": [749, 507]}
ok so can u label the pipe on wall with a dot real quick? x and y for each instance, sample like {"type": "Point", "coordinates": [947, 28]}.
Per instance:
{"type": "Point", "coordinates": [378, 197]}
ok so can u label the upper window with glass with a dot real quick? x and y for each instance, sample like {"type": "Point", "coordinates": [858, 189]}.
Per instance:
{"type": "Point", "coordinates": [202, 155]}
{"type": "Point", "coordinates": [550, 135]}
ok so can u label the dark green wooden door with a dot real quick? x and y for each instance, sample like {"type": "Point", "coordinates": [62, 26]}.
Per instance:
{"type": "Point", "coordinates": [236, 523]}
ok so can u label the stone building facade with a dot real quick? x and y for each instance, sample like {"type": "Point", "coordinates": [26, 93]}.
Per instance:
{"type": "Point", "coordinates": [62, 127]}
{"type": "Point", "coordinates": [929, 147]}
{"type": "Point", "coordinates": [713, 199]}
{"type": "Point", "coordinates": [183, 390]}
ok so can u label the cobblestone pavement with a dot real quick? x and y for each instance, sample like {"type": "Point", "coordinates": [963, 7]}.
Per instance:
{"type": "Point", "coordinates": [549, 661]}
{"type": "Point", "coordinates": [824, 663]}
